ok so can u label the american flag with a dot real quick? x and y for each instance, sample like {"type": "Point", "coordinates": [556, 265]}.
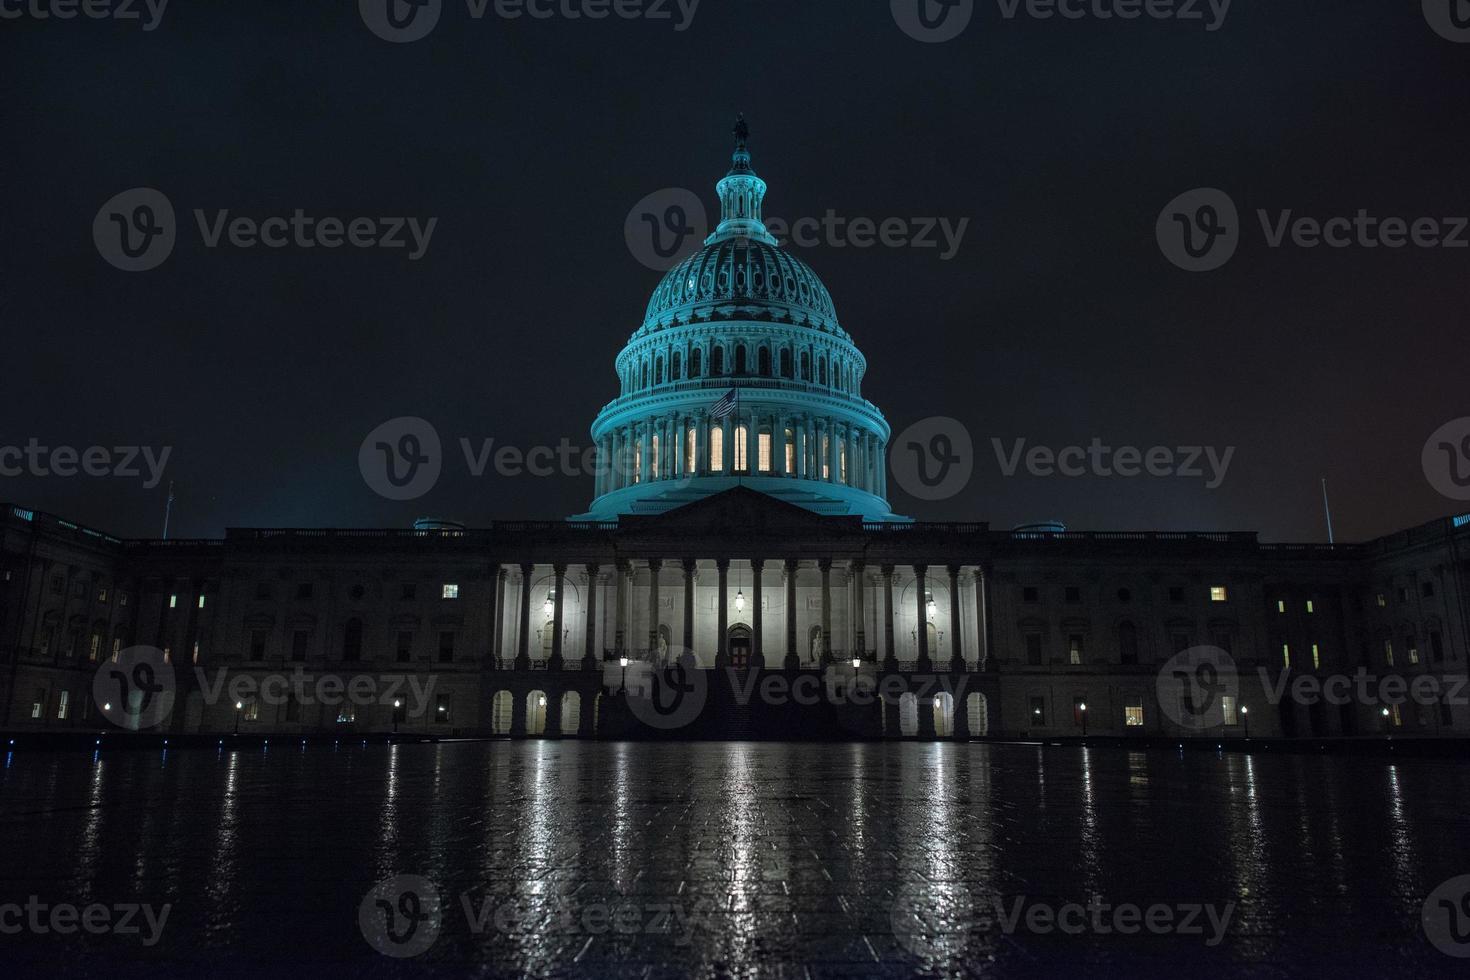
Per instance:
{"type": "Point", "coordinates": [726, 406]}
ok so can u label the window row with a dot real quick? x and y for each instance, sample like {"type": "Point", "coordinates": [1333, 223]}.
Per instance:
{"type": "Point", "coordinates": [839, 373]}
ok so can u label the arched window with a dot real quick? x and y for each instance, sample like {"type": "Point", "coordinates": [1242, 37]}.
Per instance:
{"type": "Point", "coordinates": [637, 462]}
{"type": "Point", "coordinates": [822, 371]}
{"type": "Point", "coordinates": [842, 462]}
{"type": "Point", "coordinates": [806, 366]}
{"type": "Point", "coordinates": [763, 364]}
{"type": "Point", "coordinates": [716, 448]}
{"type": "Point", "coordinates": [741, 439]}
{"type": "Point", "coordinates": [786, 363]}
{"type": "Point", "coordinates": [352, 641]}
{"type": "Point", "coordinates": [1128, 642]}
{"type": "Point", "coordinates": [695, 359]}
{"type": "Point", "coordinates": [740, 359]}
{"type": "Point", "coordinates": [658, 371]}
{"type": "Point", "coordinates": [717, 361]}
{"type": "Point", "coordinates": [653, 459]}
{"type": "Point", "coordinates": [690, 463]}
{"type": "Point", "coordinates": [645, 374]}
{"type": "Point", "coordinates": [675, 365]}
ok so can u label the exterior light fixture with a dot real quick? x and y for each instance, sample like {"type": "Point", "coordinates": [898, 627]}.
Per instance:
{"type": "Point", "coordinates": [739, 601]}
{"type": "Point", "coordinates": [930, 608]}
{"type": "Point", "coordinates": [549, 606]}
{"type": "Point", "coordinates": [542, 702]}
{"type": "Point", "coordinates": [623, 662]}
{"type": "Point", "coordinates": [856, 662]}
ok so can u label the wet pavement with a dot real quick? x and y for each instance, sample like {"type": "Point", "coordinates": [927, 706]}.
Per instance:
{"type": "Point", "coordinates": [740, 859]}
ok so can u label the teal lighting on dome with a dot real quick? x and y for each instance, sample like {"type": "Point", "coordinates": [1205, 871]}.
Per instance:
{"type": "Point", "coordinates": [741, 316]}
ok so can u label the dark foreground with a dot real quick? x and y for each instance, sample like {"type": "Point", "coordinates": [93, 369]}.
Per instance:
{"type": "Point", "coordinates": [775, 859]}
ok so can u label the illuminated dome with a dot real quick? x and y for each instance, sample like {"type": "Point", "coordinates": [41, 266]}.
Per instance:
{"type": "Point", "coordinates": [740, 375]}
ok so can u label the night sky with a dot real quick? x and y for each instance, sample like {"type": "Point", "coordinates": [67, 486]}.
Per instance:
{"type": "Point", "coordinates": [1059, 319]}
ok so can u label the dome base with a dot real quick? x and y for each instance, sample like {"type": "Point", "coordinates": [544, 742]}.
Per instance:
{"type": "Point", "coordinates": [661, 496]}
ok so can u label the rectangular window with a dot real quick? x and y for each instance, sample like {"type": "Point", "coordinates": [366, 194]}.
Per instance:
{"type": "Point", "coordinates": [252, 710]}
{"type": "Point", "coordinates": [826, 459]}
{"type": "Point", "coordinates": [1413, 649]}
{"type": "Point", "coordinates": [1074, 649]}
{"type": "Point", "coordinates": [1388, 652]}
{"type": "Point", "coordinates": [63, 701]}
{"type": "Point", "coordinates": [257, 644]}
{"type": "Point", "coordinates": [441, 709]}
{"type": "Point", "coordinates": [122, 598]}
{"type": "Point", "coordinates": [1038, 711]}
{"type": "Point", "coordinates": [1286, 654]}
{"type": "Point", "coordinates": [1382, 601]}
{"type": "Point", "coordinates": [1311, 606]}
{"type": "Point", "coordinates": [168, 655]}
{"type": "Point", "coordinates": [94, 647]}
{"type": "Point", "coordinates": [299, 641]}
{"type": "Point", "coordinates": [1316, 657]}
{"type": "Point", "coordinates": [101, 595]}
{"type": "Point", "coordinates": [741, 435]}
{"type": "Point", "coordinates": [173, 601]}
{"type": "Point", "coordinates": [1219, 593]}
{"type": "Point", "coordinates": [346, 713]}
{"type": "Point", "coordinates": [446, 647]}
{"type": "Point", "coordinates": [1398, 719]}
{"type": "Point", "coordinates": [450, 591]}
{"type": "Point", "coordinates": [405, 646]}
{"type": "Point", "coordinates": [201, 602]}
{"type": "Point", "coordinates": [716, 448]}
{"type": "Point", "coordinates": [196, 651]}
{"type": "Point", "coordinates": [1133, 715]}
{"type": "Point", "coordinates": [1403, 594]}
{"type": "Point", "coordinates": [1033, 649]}
{"type": "Point", "coordinates": [763, 452]}
{"type": "Point", "coordinates": [691, 463]}
{"type": "Point", "coordinates": [1227, 706]}
{"type": "Point", "coordinates": [1073, 594]}
{"type": "Point", "coordinates": [1281, 605]}
{"type": "Point", "coordinates": [842, 463]}
{"type": "Point", "coordinates": [116, 648]}
{"type": "Point", "coordinates": [38, 703]}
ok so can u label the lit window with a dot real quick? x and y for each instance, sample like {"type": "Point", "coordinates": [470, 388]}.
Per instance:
{"type": "Point", "coordinates": [1413, 649]}
{"type": "Point", "coordinates": [196, 651]}
{"type": "Point", "coordinates": [95, 647]}
{"type": "Point", "coordinates": [201, 602]}
{"type": "Point", "coordinates": [1227, 706]}
{"type": "Point", "coordinates": [101, 595]}
{"type": "Point", "coordinates": [790, 451]}
{"type": "Point", "coordinates": [653, 458]}
{"type": "Point", "coordinates": [63, 700]}
{"type": "Point", "coordinates": [1382, 601]}
{"type": "Point", "coordinates": [168, 655]}
{"type": "Point", "coordinates": [690, 464]}
{"type": "Point", "coordinates": [1281, 605]}
{"type": "Point", "coordinates": [1397, 718]}
{"type": "Point", "coordinates": [346, 713]}
{"type": "Point", "coordinates": [252, 710]}
{"type": "Point", "coordinates": [122, 598]}
{"type": "Point", "coordinates": [450, 591]}
{"type": "Point", "coordinates": [1218, 593]}
{"type": "Point", "coordinates": [1074, 650]}
{"type": "Point", "coordinates": [637, 463]}
{"type": "Point", "coordinates": [716, 448]}
{"type": "Point", "coordinates": [740, 448]}
{"type": "Point", "coordinates": [1286, 654]}
{"type": "Point", "coordinates": [842, 464]}
{"type": "Point", "coordinates": [1388, 652]}
{"type": "Point", "coordinates": [116, 648]}
{"type": "Point", "coordinates": [826, 459]}
{"type": "Point", "coordinates": [1311, 606]}
{"type": "Point", "coordinates": [763, 452]}
{"type": "Point", "coordinates": [1133, 715]}
{"type": "Point", "coordinates": [38, 706]}
{"type": "Point", "coordinates": [173, 601]}
{"type": "Point", "coordinates": [1316, 657]}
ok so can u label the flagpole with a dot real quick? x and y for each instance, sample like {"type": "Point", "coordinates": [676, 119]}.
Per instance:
{"type": "Point", "coordinates": [1327, 508]}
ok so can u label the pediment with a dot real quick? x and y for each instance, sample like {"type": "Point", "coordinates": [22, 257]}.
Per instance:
{"type": "Point", "coordinates": [742, 512]}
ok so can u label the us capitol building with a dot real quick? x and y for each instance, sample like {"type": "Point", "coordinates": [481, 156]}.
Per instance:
{"type": "Point", "coordinates": [742, 534]}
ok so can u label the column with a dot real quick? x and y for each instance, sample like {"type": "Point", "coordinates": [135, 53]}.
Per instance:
{"type": "Point", "coordinates": [813, 450]}
{"type": "Point", "coordinates": [722, 621]}
{"type": "Point", "coordinates": [890, 660]}
{"type": "Point", "coordinates": [834, 453]}
{"type": "Point", "coordinates": [778, 445]}
{"type": "Point", "coordinates": [758, 655]}
{"type": "Point", "coordinates": [560, 571]}
{"type": "Point", "coordinates": [852, 460]}
{"type": "Point", "coordinates": [653, 568]}
{"type": "Point", "coordinates": [620, 612]}
{"type": "Point", "coordinates": [826, 566]}
{"type": "Point", "coordinates": [727, 449]}
{"type": "Point", "coordinates": [701, 445]}
{"type": "Point", "coordinates": [921, 631]}
{"type": "Point", "coordinates": [957, 653]}
{"type": "Point", "coordinates": [859, 610]}
{"type": "Point", "coordinates": [553, 715]}
{"type": "Point", "coordinates": [523, 655]}
{"type": "Point", "coordinates": [689, 605]}
{"type": "Point", "coordinates": [982, 615]}
{"type": "Point", "coordinates": [793, 659]}
{"type": "Point", "coordinates": [589, 653]}
{"type": "Point", "coordinates": [497, 643]}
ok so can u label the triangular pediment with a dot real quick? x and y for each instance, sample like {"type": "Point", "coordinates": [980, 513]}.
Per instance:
{"type": "Point", "coordinates": [742, 511]}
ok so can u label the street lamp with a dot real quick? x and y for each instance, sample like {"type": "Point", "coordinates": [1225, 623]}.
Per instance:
{"type": "Point", "coordinates": [1245, 719]}
{"type": "Point", "coordinates": [1082, 707]}
{"type": "Point", "coordinates": [623, 662]}
{"type": "Point", "coordinates": [397, 703]}
{"type": "Point", "coordinates": [857, 662]}
{"type": "Point", "coordinates": [549, 606]}
{"type": "Point", "coordinates": [238, 706]}
{"type": "Point", "coordinates": [1386, 725]}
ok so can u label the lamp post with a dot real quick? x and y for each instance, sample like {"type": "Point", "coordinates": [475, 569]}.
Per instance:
{"type": "Point", "coordinates": [1082, 707]}
{"type": "Point", "coordinates": [238, 706]}
{"type": "Point", "coordinates": [1387, 726]}
{"type": "Point", "coordinates": [397, 703]}
{"type": "Point", "coordinates": [623, 686]}
{"type": "Point", "coordinates": [1245, 719]}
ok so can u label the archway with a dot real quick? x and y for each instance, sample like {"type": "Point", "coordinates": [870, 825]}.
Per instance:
{"type": "Point", "coordinates": [738, 644]}
{"type": "Point", "coordinates": [979, 714]}
{"type": "Point", "coordinates": [536, 713]}
{"type": "Point", "coordinates": [571, 713]}
{"type": "Point", "coordinates": [943, 708]}
{"type": "Point", "coordinates": [908, 714]}
{"type": "Point", "coordinates": [501, 708]}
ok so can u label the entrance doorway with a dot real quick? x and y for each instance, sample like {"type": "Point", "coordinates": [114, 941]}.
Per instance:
{"type": "Point", "coordinates": [739, 644]}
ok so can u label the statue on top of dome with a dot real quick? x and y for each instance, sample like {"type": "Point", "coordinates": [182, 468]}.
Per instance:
{"type": "Point", "coordinates": [741, 131]}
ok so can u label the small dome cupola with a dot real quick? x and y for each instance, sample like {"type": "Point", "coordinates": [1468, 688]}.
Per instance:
{"type": "Point", "coordinates": [742, 193]}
